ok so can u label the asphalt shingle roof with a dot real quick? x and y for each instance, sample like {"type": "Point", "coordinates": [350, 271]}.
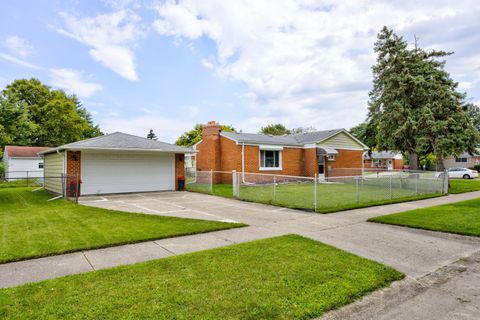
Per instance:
{"type": "Point", "coordinates": [122, 141]}
{"type": "Point", "coordinates": [291, 139]}
{"type": "Point", "coordinates": [24, 152]}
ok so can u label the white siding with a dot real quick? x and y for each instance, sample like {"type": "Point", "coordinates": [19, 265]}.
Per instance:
{"type": "Point", "coordinates": [341, 141]}
{"type": "Point", "coordinates": [53, 170]}
{"type": "Point", "coordinates": [17, 168]}
{"type": "Point", "coordinates": [449, 162]}
{"type": "Point", "coordinates": [117, 172]}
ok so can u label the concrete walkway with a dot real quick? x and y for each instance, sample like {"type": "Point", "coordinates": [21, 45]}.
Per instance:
{"type": "Point", "coordinates": [417, 253]}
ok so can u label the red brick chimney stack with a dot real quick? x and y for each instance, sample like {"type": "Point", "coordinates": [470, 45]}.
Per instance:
{"type": "Point", "coordinates": [212, 128]}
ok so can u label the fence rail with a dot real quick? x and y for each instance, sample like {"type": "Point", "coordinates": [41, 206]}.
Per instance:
{"type": "Point", "coordinates": [64, 186]}
{"type": "Point", "coordinates": [319, 193]}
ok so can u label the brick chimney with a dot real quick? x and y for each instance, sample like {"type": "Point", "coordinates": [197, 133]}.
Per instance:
{"type": "Point", "coordinates": [209, 153]}
{"type": "Point", "coordinates": [212, 128]}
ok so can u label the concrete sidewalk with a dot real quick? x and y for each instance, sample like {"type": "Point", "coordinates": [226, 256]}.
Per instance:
{"type": "Point", "coordinates": [414, 252]}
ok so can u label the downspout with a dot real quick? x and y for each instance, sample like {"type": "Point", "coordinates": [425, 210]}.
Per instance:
{"type": "Point", "coordinates": [243, 162]}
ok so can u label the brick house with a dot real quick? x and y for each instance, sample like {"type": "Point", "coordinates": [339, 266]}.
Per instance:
{"type": "Point", "coordinates": [307, 154]}
{"type": "Point", "coordinates": [385, 160]}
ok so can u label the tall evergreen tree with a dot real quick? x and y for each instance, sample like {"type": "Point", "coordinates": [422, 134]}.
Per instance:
{"type": "Point", "coordinates": [414, 106]}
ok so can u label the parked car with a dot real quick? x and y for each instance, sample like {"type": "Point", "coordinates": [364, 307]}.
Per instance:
{"type": "Point", "coordinates": [463, 173]}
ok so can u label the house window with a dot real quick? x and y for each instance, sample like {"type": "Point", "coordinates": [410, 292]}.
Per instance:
{"type": "Point", "coordinates": [270, 159]}
{"type": "Point", "coordinates": [461, 160]}
{"type": "Point", "coordinates": [40, 165]}
{"type": "Point", "coordinates": [331, 157]}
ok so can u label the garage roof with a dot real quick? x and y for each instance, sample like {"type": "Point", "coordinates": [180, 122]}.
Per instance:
{"type": "Point", "coordinates": [24, 152]}
{"type": "Point", "coordinates": [121, 141]}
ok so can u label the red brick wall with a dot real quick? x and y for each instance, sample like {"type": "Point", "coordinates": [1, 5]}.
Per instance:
{"type": "Point", "coordinates": [74, 166]}
{"type": "Point", "coordinates": [311, 162]}
{"type": "Point", "coordinates": [179, 167]}
{"type": "Point", "coordinates": [209, 156]}
{"type": "Point", "coordinates": [398, 164]}
{"type": "Point", "coordinates": [345, 159]}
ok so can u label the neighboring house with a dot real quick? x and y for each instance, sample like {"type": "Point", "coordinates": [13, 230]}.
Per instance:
{"type": "Point", "coordinates": [464, 160]}
{"type": "Point", "coordinates": [386, 160]}
{"type": "Point", "coordinates": [115, 163]}
{"type": "Point", "coordinates": [307, 154]}
{"type": "Point", "coordinates": [22, 162]}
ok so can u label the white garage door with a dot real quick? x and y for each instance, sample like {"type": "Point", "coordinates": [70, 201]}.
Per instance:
{"type": "Point", "coordinates": [117, 172]}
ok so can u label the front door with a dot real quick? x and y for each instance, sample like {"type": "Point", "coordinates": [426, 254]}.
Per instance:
{"type": "Point", "coordinates": [390, 164]}
{"type": "Point", "coordinates": [321, 166]}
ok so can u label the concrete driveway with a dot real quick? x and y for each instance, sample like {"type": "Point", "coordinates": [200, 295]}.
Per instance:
{"type": "Point", "coordinates": [442, 269]}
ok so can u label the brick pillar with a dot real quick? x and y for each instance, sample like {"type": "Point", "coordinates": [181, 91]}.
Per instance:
{"type": "Point", "coordinates": [179, 167]}
{"type": "Point", "coordinates": [74, 165]}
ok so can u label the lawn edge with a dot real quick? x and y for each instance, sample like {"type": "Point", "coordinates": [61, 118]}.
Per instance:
{"type": "Point", "coordinates": [342, 209]}
{"type": "Point", "coordinates": [373, 220]}
{"type": "Point", "coordinates": [122, 243]}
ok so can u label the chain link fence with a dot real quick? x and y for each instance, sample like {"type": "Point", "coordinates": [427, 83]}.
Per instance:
{"type": "Point", "coordinates": [62, 186]}
{"type": "Point", "coordinates": [319, 193]}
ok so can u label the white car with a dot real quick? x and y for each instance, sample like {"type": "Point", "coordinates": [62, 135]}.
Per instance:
{"type": "Point", "coordinates": [463, 173]}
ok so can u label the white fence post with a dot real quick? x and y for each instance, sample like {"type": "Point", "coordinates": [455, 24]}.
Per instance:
{"type": "Point", "coordinates": [211, 181]}
{"type": "Point", "coordinates": [234, 183]}
{"type": "Point", "coordinates": [315, 193]}
{"type": "Point", "coordinates": [274, 189]}
{"type": "Point", "coordinates": [417, 176]}
{"type": "Point", "coordinates": [391, 191]}
{"type": "Point", "coordinates": [357, 196]}
{"type": "Point", "coordinates": [445, 182]}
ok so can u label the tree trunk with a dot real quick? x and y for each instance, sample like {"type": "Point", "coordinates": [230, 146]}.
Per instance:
{"type": "Point", "coordinates": [439, 165]}
{"type": "Point", "coordinates": [413, 160]}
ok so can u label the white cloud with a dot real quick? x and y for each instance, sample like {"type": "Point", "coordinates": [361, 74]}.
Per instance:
{"type": "Point", "coordinates": [72, 81]}
{"type": "Point", "coordinates": [112, 38]}
{"type": "Point", "coordinates": [20, 62]}
{"type": "Point", "coordinates": [308, 62]}
{"type": "Point", "coordinates": [166, 129]}
{"type": "Point", "coordinates": [18, 46]}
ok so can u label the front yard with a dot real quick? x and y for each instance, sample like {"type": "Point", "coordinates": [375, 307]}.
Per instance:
{"type": "Point", "coordinates": [33, 227]}
{"type": "Point", "coordinates": [462, 186]}
{"type": "Point", "coordinates": [287, 277]}
{"type": "Point", "coordinates": [460, 217]}
{"type": "Point", "coordinates": [331, 197]}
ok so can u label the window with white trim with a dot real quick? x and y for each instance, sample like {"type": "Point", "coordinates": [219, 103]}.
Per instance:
{"type": "Point", "coordinates": [270, 159]}
{"type": "Point", "coordinates": [40, 165]}
{"type": "Point", "coordinates": [461, 160]}
{"type": "Point", "coordinates": [331, 157]}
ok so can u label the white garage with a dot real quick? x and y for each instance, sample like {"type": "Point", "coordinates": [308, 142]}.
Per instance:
{"type": "Point", "coordinates": [117, 163]}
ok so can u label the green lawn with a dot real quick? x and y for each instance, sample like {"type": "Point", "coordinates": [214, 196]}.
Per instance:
{"type": "Point", "coordinates": [331, 197]}
{"type": "Point", "coordinates": [32, 227]}
{"type": "Point", "coordinates": [461, 186]}
{"type": "Point", "coordinates": [459, 217]}
{"type": "Point", "coordinates": [288, 277]}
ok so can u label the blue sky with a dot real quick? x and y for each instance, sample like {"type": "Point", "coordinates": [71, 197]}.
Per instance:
{"type": "Point", "coordinates": [167, 65]}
